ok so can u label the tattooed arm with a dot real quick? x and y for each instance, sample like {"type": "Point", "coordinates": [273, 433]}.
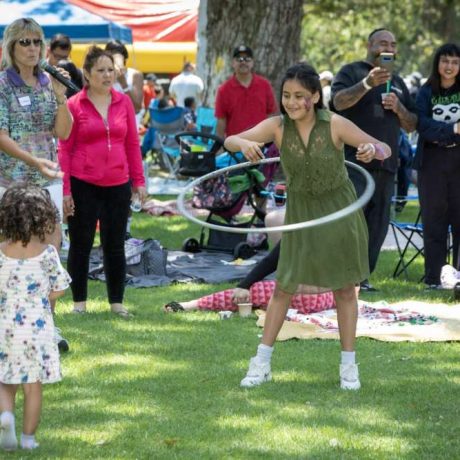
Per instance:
{"type": "Point", "coordinates": [407, 119]}
{"type": "Point", "coordinates": [348, 97]}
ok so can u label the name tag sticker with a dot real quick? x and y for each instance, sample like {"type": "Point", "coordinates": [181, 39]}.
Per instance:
{"type": "Point", "coordinates": [24, 101]}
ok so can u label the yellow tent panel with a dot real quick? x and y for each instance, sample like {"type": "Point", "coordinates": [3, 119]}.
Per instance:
{"type": "Point", "coordinates": [158, 57]}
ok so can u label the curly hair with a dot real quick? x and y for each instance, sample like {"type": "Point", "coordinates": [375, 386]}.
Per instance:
{"type": "Point", "coordinates": [26, 211]}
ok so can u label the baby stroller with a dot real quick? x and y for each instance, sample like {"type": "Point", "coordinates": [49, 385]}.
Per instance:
{"type": "Point", "coordinates": [223, 196]}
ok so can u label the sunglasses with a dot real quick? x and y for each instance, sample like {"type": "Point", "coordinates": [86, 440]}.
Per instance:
{"type": "Point", "coordinates": [25, 42]}
{"type": "Point", "coordinates": [244, 59]}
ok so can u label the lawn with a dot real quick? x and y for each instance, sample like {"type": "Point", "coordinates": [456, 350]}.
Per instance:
{"type": "Point", "coordinates": [166, 386]}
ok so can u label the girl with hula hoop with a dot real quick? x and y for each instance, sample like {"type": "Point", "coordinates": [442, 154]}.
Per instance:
{"type": "Point", "coordinates": [331, 256]}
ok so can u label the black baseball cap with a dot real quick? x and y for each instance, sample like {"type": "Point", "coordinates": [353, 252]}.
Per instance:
{"type": "Point", "coordinates": [242, 49]}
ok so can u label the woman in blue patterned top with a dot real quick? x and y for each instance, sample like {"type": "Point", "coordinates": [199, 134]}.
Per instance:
{"type": "Point", "coordinates": [33, 112]}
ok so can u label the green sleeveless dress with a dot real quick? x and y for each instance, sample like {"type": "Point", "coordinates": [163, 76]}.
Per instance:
{"type": "Point", "coordinates": [329, 256]}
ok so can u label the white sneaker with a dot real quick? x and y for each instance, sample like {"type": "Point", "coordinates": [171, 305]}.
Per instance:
{"type": "Point", "coordinates": [349, 377]}
{"type": "Point", "coordinates": [258, 373]}
{"type": "Point", "coordinates": [8, 439]}
{"type": "Point", "coordinates": [30, 444]}
{"type": "Point", "coordinates": [62, 343]}
{"type": "Point", "coordinates": [449, 277]}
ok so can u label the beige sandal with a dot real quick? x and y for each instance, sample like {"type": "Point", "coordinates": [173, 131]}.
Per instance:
{"type": "Point", "coordinates": [121, 311]}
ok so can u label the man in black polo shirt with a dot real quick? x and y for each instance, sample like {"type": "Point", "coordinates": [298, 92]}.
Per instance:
{"type": "Point", "coordinates": [357, 95]}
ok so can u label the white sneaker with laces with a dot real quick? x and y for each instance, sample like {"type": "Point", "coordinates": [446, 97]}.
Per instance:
{"type": "Point", "coordinates": [349, 377]}
{"type": "Point", "coordinates": [257, 374]}
{"type": "Point", "coordinates": [8, 439]}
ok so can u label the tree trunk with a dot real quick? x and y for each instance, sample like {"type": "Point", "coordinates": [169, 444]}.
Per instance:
{"type": "Point", "coordinates": [270, 27]}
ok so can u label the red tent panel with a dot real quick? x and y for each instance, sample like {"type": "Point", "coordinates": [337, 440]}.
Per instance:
{"type": "Point", "coordinates": [158, 21]}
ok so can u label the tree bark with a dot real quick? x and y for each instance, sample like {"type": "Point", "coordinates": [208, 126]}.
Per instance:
{"type": "Point", "coordinates": [270, 27]}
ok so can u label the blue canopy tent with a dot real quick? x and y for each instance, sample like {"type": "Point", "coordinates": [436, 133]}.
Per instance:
{"type": "Point", "coordinates": [58, 16]}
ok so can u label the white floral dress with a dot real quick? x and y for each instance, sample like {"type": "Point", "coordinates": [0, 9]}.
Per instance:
{"type": "Point", "coordinates": [28, 352]}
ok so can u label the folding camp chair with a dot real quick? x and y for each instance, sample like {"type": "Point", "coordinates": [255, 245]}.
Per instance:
{"type": "Point", "coordinates": [206, 122]}
{"type": "Point", "coordinates": [409, 236]}
{"type": "Point", "coordinates": [405, 235]}
{"type": "Point", "coordinates": [167, 123]}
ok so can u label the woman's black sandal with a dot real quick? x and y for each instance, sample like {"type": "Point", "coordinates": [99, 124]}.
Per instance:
{"type": "Point", "coordinates": [174, 307]}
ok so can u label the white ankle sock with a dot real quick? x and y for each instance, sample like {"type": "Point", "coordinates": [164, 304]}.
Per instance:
{"type": "Point", "coordinates": [28, 441]}
{"type": "Point", "coordinates": [264, 353]}
{"type": "Point", "coordinates": [348, 357]}
{"type": "Point", "coordinates": [8, 439]}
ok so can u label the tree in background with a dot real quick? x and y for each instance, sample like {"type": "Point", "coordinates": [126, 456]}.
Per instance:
{"type": "Point", "coordinates": [270, 27]}
{"type": "Point", "coordinates": [334, 32]}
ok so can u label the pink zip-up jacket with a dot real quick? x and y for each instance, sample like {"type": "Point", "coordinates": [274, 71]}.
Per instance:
{"type": "Point", "coordinates": [99, 153]}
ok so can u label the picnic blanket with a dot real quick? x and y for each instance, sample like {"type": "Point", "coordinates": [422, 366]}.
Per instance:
{"type": "Point", "coordinates": [184, 267]}
{"type": "Point", "coordinates": [410, 321]}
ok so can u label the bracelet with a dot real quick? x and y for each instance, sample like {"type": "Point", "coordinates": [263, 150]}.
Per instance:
{"type": "Point", "coordinates": [366, 85]}
{"type": "Point", "coordinates": [127, 89]}
{"type": "Point", "coordinates": [379, 153]}
{"type": "Point", "coordinates": [61, 101]}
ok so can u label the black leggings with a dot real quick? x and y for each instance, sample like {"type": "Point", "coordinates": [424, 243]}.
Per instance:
{"type": "Point", "coordinates": [439, 192]}
{"type": "Point", "coordinates": [109, 205]}
{"type": "Point", "coordinates": [377, 210]}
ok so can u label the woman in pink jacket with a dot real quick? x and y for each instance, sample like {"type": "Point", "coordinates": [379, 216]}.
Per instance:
{"type": "Point", "coordinates": [102, 164]}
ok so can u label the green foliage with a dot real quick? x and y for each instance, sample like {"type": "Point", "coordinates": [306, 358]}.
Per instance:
{"type": "Point", "coordinates": [334, 32]}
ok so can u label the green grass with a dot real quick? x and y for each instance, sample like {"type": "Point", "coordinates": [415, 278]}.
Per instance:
{"type": "Point", "coordinates": [166, 386]}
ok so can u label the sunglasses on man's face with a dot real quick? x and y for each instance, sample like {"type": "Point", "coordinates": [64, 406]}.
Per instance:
{"type": "Point", "coordinates": [25, 42]}
{"type": "Point", "coordinates": [244, 59]}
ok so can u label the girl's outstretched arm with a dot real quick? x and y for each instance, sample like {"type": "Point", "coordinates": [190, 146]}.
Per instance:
{"type": "Point", "coordinates": [250, 142]}
{"type": "Point", "coordinates": [368, 148]}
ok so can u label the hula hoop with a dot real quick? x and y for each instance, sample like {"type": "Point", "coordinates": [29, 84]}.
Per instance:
{"type": "Point", "coordinates": [351, 208]}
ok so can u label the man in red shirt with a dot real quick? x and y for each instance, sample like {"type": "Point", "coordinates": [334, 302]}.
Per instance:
{"type": "Point", "coordinates": [245, 99]}
{"type": "Point", "coordinates": [148, 89]}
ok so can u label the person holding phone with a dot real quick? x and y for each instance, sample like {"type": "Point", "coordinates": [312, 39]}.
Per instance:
{"type": "Point", "coordinates": [377, 100]}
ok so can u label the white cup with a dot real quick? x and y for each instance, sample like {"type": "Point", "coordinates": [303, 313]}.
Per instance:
{"type": "Point", "coordinates": [384, 96]}
{"type": "Point", "coordinates": [226, 314]}
{"type": "Point", "coordinates": [245, 309]}
{"type": "Point", "coordinates": [136, 204]}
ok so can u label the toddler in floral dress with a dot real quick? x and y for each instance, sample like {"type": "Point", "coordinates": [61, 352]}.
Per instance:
{"type": "Point", "coordinates": [30, 275]}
